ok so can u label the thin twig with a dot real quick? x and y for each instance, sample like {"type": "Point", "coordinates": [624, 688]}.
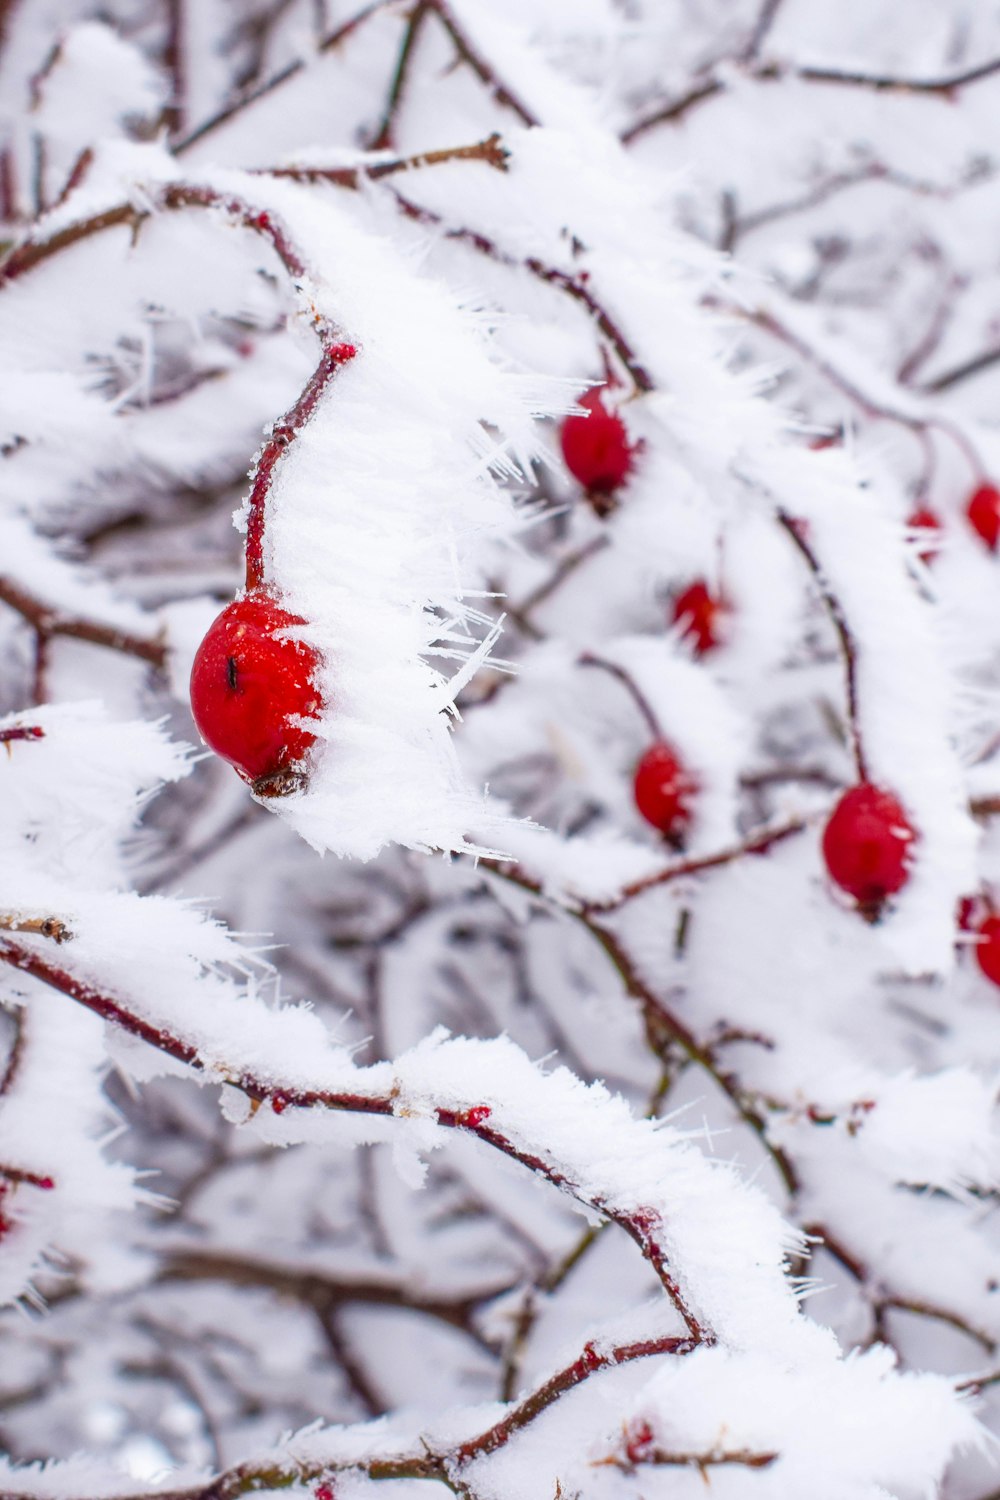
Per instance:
{"type": "Point", "coordinates": [480, 65]}
{"type": "Point", "coordinates": [964, 371]}
{"type": "Point", "coordinates": [845, 635]}
{"type": "Point", "coordinates": [21, 732]}
{"type": "Point", "coordinates": [441, 1466]}
{"type": "Point", "coordinates": [641, 1224]}
{"type": "Point", "coordinates": [385, 134]}
{"type": "Point", "coordinates": [575, 285]}
{"type": "Point", "coordinates": [48, 622]}
{"type": "Point", "coordinates": [777, 72]}
{"type": "Point", "coordinates": [47, 927]}
{"type": "Point", "coordinates": [491, 151]}
{"type": "Point", "coordinates": [174, 116]}
{"type": "Point", "coordinates": [755, 843]}
{"type": "Point", "coordinates": [245, 100]}
{"type": "Point", "coordinates": [628, 682]}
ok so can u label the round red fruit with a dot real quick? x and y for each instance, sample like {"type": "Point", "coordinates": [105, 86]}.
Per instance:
{"type": "Point", "coordinates": [596, 447]}
{"type": "Point", "coordinates": [867, 844]}
{"type": "Point", "coordinates": [926, 523]}
{"type": "Point", "coordinates": [988, 948]}
{"type": "Point", "coordinates": [249, 682]}
{"type": "Point", "coordinates": [700, 614]}
{"type": "Point", "coordinates": [664, 790]}
{"type": "Point", "coordinates": [983, 511]}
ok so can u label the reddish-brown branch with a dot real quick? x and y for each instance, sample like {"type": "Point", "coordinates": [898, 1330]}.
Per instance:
{"type": "Point", "coordinates": [591, 1362]}
{"type": "Point", "coordinates": [32, 1179]}
{"type": "Point", "coordinates": [575, 286]}
{"type": "Point", "coordinates": [664, 1028]}
{"type": "Point", "coordinates": [883, 1301]}
{"type": "Point", "coordinates": [319, 1290]}
{"type": "Point", "coordinates": [589, 659]}
{"type": "Point", "coordinates": [15, 1054]}
{"type": "Point", "coordinates": [8, 186]}
{"type": "Point", "coordinates": [762, 29]}
{"type": "Point", "coordinates": [557, 578]}
{"type": "Point", "coordinates": [480, 65]}
{"type": "Point", "coordinates": [77, 173]}
{"type": "Point", "coordinates": [755, 843]}
{"type": "Point", "coordinates": [175, 64]}
{"type": "Point", "coordinates": [48, 621]}
{"type": "Point", "coordinates": [21, 732]}
{"type": "Point", "coordinates": [871, 406]}
{"type": "Point", "coordinates": [964, 371]}
{"type": "Point", "coordinates": [845, 635]}
{"type": "Point", "coordinates": [47, 927]}
{"type": "Point", "coordinates": [283, 76]}
{"type": "Point", "coordinates": [491, 151]}
{"type": "Point", "coordinates": [335, 356]}
{"type": "Point", "coordinates": [383, 137]}
{"type": "Point", "coordinates": [31, 253]}
{"type": "Point", "coordinates": [443, 1466]}
{"type": "Point", "coordinates": [640, 1224]}
{"type": "Point", "coordinates": [715, 1459]}
{"type": "Point", "coordinates": [774, 72]}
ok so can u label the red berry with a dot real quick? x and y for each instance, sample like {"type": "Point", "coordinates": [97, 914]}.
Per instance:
{"type": "Point", "coordinates": [248, 683]}
{"type": "Point", "coordinates": [596, 447]}
{"type": "Point", "coordinates": [639, 1438]}
{"type": "Point", "coordinates": [923, 519]}
{"type": "Point", "coordinates": [866, 844]}
{"type": "Point", "coordinates": [699, 613]}
{"type": "Point", "coordinates": [663, 789]}
{"type": "Point", "coordinates": [987, 948]}
{"type": "Point", "coordinates": [983, 511]}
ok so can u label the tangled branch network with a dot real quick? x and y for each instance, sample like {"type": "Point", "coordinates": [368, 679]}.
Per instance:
{"type": "Point", "coordinates": [605, 399]}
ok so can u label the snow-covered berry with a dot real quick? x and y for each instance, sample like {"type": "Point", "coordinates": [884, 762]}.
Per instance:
{"type": "Point", "coordinates": [250, 684]}
{"type": "Point", "coordinates": [927, 524]}
{"type": "Point", "coordinates": [700, 615]}
{"type": "Point", "coordinates": [664, 790]}
{"type": "Point", "coordinates": [596, 447]}
{"type": "Point", "coordinates": [987, 948]}
{"type": "Point", "coordinates": [983, 511]}
{"type": "Point", "coordinates": [867, 844]}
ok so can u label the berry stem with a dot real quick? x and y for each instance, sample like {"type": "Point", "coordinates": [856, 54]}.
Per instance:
{"type": "Point", "coordinates": [589, 659]}
{"type": "Point", "coordinates": [335, 356]}
{"type": "Point", "coordinates": [848, 645]}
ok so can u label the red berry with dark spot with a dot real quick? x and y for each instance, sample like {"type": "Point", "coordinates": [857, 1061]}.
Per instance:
{"type": "Point", "coordinates": [867, 844]}
{"type": "Point", "coordinates": [249, 683]}
{"type": "Point", "coordinates": [596, 447]}
{"type": "Point", "coordinates": [664, 790]}
{"type": "Point", "coordinates": [928, 522]}
{"type": "Point", "coordinates": [983, 511]}
{"type": "Point", "coordinates": [987, 949]}
{"type": "Point", "coordinates": [700, 614]}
